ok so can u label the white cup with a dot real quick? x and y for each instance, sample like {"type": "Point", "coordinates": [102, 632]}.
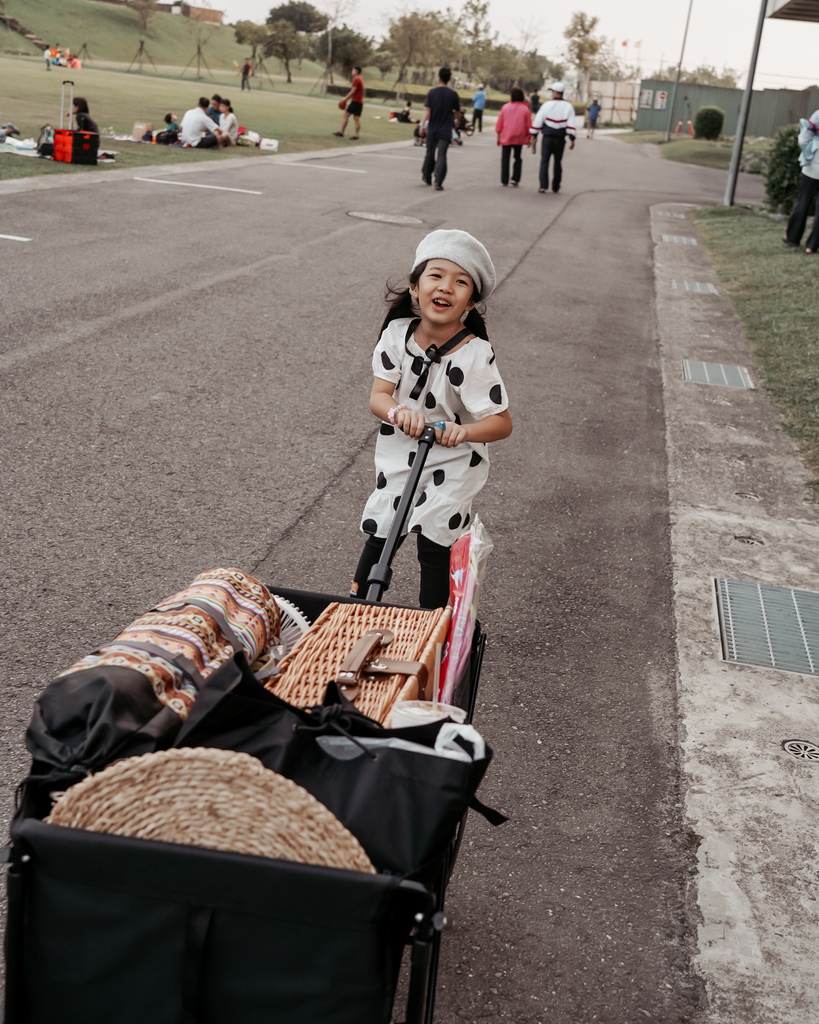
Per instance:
{"type": "Point", "coordinates": [421, 712]}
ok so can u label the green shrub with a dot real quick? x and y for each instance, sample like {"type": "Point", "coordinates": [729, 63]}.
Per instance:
{"type": "Point", "coordinates": [708, 122]}
{"type": "Point", "coordinates": [782, 173]}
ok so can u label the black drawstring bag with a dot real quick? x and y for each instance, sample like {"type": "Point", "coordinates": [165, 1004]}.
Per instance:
{"type": "Point", "coordinates": [403, 806]}
{"type": "Point", "coordinates": [83, 722]}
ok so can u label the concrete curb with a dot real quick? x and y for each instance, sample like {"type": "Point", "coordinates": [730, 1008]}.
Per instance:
{"type": "Point", "coordinates": [734, 473]}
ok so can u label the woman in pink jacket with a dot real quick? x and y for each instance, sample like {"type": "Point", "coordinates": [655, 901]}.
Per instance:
{"type": "Point", "coordinates": [512, 126]}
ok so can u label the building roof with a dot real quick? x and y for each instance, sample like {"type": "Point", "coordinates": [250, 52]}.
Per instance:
{"type": "Point", "coordinates": [794, 10]}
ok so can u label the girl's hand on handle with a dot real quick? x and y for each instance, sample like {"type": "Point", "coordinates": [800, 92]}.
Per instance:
{"type": "Point", "coordinates": [410, 422]}
{"type": "Point", "coordinates": [452, 434]}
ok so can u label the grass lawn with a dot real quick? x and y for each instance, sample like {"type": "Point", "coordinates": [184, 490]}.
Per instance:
{"type": "Point", "coordinates": [31, 98]}
{"type": "Point", "coordinates": [773, 289]}
{"type": "Point", "coordinates": [689, 150]}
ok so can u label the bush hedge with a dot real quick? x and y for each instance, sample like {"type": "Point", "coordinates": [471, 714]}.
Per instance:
{"type": "Point", "coordinates": [781, 176]}
{"type": "Point", "coordinates": [417, 98]}
{"type": "Point", "coordinates": [708, 122]}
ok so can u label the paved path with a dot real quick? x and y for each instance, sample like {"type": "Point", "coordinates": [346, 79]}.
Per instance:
{"type": "Point", "coordinates": [186, 375]}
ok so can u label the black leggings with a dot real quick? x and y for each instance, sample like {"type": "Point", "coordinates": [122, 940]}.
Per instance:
{"type": "Point", "coordinates": [434, 560]}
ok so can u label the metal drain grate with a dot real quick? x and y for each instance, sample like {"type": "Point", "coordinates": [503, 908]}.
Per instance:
{"type": "Point", "coordinates": [385, 218]}
{"type": "Point", "coordinates": [680, 239]}
{"type": "Point", "coordinates": [724, 374]}
{"type": "Point", "coordinates": [772, 627]}
{"type": "Point", "coordinates": [802, 749]}
{"type": "Point", "coordinates": [703, 287]}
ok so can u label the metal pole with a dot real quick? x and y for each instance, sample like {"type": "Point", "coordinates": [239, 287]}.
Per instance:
{"type": "Point", "coordinates": [679, 71]}
{"type": "Point", "coordinates": [742, 123]}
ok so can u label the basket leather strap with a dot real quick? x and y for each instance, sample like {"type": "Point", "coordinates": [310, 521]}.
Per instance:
{"type": "Point", "coordinates": [356, 664]}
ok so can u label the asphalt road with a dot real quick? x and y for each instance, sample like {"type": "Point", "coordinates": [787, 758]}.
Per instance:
{"type": "Point", "coordinates": [185, 378]}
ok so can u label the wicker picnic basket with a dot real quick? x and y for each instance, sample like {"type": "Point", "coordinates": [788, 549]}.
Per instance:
{"type": "Point", "coordinates": [376, 654]}
{"type": "Point", "coordinates": [217, 799]}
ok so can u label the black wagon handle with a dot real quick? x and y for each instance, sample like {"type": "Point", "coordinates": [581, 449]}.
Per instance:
{"type": "Point", "coordinates": [380, 575]}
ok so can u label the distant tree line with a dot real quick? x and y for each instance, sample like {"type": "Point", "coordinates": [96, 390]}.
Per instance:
{"type": "Point", "coordinates": [417, 43]}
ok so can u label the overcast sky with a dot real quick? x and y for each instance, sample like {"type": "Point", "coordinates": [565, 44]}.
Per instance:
{"type": "Point", "coordinates": [721, 31]}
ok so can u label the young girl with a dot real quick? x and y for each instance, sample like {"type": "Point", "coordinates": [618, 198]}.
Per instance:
{"type": "Point", "coordinates": [459, 385]}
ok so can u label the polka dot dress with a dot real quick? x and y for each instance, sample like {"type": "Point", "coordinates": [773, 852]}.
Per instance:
{"type": "Point", "coordinates": [463, 388]}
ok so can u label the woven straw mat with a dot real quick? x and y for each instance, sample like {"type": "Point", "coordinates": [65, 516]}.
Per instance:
{"type": "Point", "coordinates": [218, 799]}
{"type": "Point", "coordinates": [319, 653]}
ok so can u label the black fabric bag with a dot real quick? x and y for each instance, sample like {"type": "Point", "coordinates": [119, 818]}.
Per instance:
{"type": "Point", "coordinates": [84, 721]}
{"type": "Point", "coordinates": [112, 930]}
{"type": "Point", "coordinates": [403, 807]}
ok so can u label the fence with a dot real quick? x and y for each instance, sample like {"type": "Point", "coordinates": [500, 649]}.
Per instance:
{"type": "Point", "coordinates": [618, 101]}
{"type": "Point", "coordinates": [770, 108]}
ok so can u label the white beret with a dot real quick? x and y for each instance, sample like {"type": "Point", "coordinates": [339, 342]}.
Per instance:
{"type": "Point", "coordinates": [461, 248]}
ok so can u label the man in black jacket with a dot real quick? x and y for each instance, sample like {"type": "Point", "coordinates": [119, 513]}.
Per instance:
{"type": "Point", "coordinates": [440, 107]}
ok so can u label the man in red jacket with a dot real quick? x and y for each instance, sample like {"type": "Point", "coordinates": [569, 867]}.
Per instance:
{"type": "Point", "coordinates": [355, 104]}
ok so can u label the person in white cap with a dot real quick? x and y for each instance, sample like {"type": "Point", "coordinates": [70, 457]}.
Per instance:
{"type": "Point", "coordinates": [434, 364]}
{"type": "Point", "coordinates": [555, 120]}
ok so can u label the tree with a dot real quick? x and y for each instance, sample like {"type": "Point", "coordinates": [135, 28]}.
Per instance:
{"type": "Point", "coordinates": [583, 46]}
{"type": "Point", "coordinates": [501, 67]}
{"type": "Point", "coordinates": [304, 17]}
{"type": "Point", "coordinates": [477, 37]}
{"type": "Point", "coordinates": [248, 33]}
{"type": "Point", "coordinates": [145, 10]}
{"type": "Point", "coordinates": [348, 49]}
{"type": "Point", "coordinates": [384, 59]}
{"type": "Point", "coordinates": [532, 71]}
{"type": "Point", "coordinates": [703, 75]}
{"type": "Point", "coordinates": [707, 75]}
{"type": "Point", "coordinates": [412, 38]}
{"type": "Point", "coordinates": [284, 42]}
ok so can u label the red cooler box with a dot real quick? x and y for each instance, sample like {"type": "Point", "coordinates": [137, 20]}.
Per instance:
{"type": "Point", "coordinates": [72, 147]}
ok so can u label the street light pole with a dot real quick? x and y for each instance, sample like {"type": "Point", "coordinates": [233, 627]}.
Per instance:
{"type": "Point", "coordinates": [679, 70]}
{"type": "Point", "coordinates": [745, 106]}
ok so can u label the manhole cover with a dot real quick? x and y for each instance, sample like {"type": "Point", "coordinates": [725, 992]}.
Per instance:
{"type": "Point", "coordinates": [724, 374]}
{"type": "Point", "coordinates": [802, 749]}
{"type": "Point", "coordinates": [767, 626]}
{"type": "Point", "coordinates": [746, 539]}
{"type": "Point", "coordinates": [385, 218]}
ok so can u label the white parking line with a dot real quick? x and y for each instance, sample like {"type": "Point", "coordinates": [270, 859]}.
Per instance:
{"type": "Point", "coordinates": [320, 167]}
{"type": "Point", "coordinates": [15, 238]}
{"type": "Point", "coordinates": [193, 184]}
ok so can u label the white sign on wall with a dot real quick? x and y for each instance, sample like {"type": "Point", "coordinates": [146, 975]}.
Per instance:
{"type": "Point", "coordinates": [646, 96]}
{"type": "Point", "coordinates": [660, 100]}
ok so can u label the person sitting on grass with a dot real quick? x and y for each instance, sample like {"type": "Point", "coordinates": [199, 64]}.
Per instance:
{"type": "Point", "coordinates": [85, 123]}
{"type": "Point", "coordinates": [214, 111]}
{"type": "Point", "coordinates": [171, 124]}
{"type": "Point", "coordinates": [405, 115]}
{"type": "Point", "coordinates": [227, 133]}
{"type": "Point", "coordinates": [197, 129]}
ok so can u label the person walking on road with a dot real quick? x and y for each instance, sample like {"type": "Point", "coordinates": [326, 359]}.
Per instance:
{"type": "Point", "coordinates": [555, 120]}
{"type": "Point", "coordinates": [478, 107]}
{"type": "Point", "coordinates": [808, 188]}
{"type": "Point", "coordinates": [594, 113]}
{"type": "Point", "coordinates": [462, 394]}
{"type": "Point", "coordinates": [247, 68]}
{"type": "Point", "coordinates": [441, 107]}
{"type": "Point", "coordinates": [353, 104]}
{"type": "Point", "coordinates": [512, 126]}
